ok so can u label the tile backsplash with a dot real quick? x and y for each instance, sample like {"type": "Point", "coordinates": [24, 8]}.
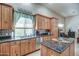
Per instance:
{"type": "Point", "coordinates": [5, 32]}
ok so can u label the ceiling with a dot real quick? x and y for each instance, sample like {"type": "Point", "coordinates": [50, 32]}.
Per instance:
{"type": "Point", "coordinates": [63, 9]}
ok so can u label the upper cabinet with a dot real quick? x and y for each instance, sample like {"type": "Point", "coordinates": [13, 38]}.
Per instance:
{"type": "Point", "coordinates": [0, 16]}
{"type": "Point", "coordinates": [54, 27]}
{"type": "Point", "coordinates": [42, 22]}
{"type": "Point", "coordinates": [6, 16]}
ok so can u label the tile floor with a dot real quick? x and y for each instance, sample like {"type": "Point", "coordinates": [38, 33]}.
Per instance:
{"type": "Point", "coordinates": [37, 53]}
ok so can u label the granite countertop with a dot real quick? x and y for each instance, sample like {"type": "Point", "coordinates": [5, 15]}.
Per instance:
{"type": "Point", "coordinates": [16, 39]}
{"type": "Point", "coordinates": [20, 38]}
{"type": "Point", "coordinates": [56, 45]}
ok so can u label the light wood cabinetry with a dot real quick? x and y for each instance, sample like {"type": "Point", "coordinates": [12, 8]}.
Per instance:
{"type": "Point", "coordinates": [15, 48]}
{"type": "Point", "coordinates": [24, 47]}
{"type": "Point", "coordinates": [43, 50]}
{"type": "Point", "coordinates": [6, 16]}
{"type": "Point", "coordinates": [32, 45]}
{"type": "Point", "coordinates": [46, 37]}
{"type": "Point", "coordinates": [0, 16]}
{"type": "Point", "coordinates": [72, 50]}
{"type": "Point", "coordinates": [4, 49]}
{"type": "Point", "coordinates": [54, 28]}
{"type": "Point", "coordinates": [42, 22]}
{"type": "Point", "coordinates": [66, 52]}
{"type": "Point", "coordinates": [28, 46]}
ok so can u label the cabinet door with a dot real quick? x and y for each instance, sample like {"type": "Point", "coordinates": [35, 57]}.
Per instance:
{"type": "Point", "coordinates": [46, 38]}
{"type": "Point", "coordinates": [5, 49]}
{"type": "Point", "coordinates": [18, 47]}
{"type": "Point", "coordinates": [32, 45]}
{"type": "Point", "coordinates": [0, 16]}
{"type": "Point", "coordinates": [6, 17]}
{"type": "Point", "coordinates": [43, 51]}
{"type": "Point", "coordinates": [72, 51]}
{"type": "Point", "coordinates": [12, 49]}
{"type": "Point", "coordinates": [24, 47]}
{"type": "Point", "coordinates": [54, 28]}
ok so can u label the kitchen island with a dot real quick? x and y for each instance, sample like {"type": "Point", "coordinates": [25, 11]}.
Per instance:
{"type": "Point", "coordinates": [56, 48]}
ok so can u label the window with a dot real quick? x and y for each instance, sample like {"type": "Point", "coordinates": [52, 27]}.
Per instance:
{"type": "Point", "coordinates": [24, 26]}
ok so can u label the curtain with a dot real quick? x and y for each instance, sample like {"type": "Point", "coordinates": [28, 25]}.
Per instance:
{"type": "Point", "coordinates": [28, 23]}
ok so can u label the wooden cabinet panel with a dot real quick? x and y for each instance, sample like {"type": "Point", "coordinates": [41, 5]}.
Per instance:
{"type": "Point", "coordinates": [46, 38]}
{"type": "Point", "coordinates": [42, 22]}
{"type": "Point", "coordinates": [32, 45]}
{"type": "Point", "coordinates": [43, 51]}
{"type": "Point", "coordinates": [18, 48]}
{"type": "Point", "coordinates": [65, 53]}
{"type": "Point", "coordinates": [72, 51]}
{"type": "Point", "coordinates": [15, 48]}
{"type": "Point", "coordinates": [0, 16]}
{"type": "Point", "coordinates": [12, 49]}
{"type": "Point", "coordinates": [5, 49]}
{"type": "Point", "coordinates": [54, 28]}
{"type": "Point", "coordinates": [6, 17]}
{"type": "Point", "coordinates": [24, 47]}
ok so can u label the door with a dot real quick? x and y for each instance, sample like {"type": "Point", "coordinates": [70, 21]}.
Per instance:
{"type": "Point", "coordinates": [18, 47]}
{"type": "Point", "coordinates": [12, 49]}
{"type": "Point", "coordinates": [24, 47]}
{"type": "Point", "coordinates": [5, 49]}
{"type": "Point", "coordinates": [6, 17]}
{"type": "Point", "coordinates": [0, 16]}
{"type": "Point", "coordinates": [32, 45]}
{"type": "Point", "coordinates": [54, 28]}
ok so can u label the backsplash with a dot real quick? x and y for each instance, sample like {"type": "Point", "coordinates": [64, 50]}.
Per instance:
{"type": "Point", "coordinates": [5, 32]}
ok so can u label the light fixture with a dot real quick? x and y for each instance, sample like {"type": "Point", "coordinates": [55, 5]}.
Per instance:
{"type": "Point", "coordinates": [60, 25]}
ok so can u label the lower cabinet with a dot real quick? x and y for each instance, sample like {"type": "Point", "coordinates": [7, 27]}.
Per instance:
{"type": "Point", "coordinates": [72, 49]}
{"type": "Point", "coordinates": [4, 49]}
{"type": "Point", "coordinates": [27, 46]}
{"type": "Point", "coordinates": [32, 45]}
{"type": "Point", "coordinates": [46, 38]}
{"type": "Point", "coordinates": [17, 48]}
{"type": "Point", "coordinates": [24, 47]}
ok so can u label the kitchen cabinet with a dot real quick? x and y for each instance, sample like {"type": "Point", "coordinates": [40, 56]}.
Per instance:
{"type": "Point", "coordinates": [15, 48]}
{"type": "Point", "coordinates": [6, 14]}
{"type": "Point", "coordinates": [54, 28]}
{"type": "Point", "coordinates": [18, 48]}
{"type": "Point", "coordinates": [66, 52]}
{"type": "Point", "coordinates": [47, 37]}
{"type": "Point", "coordinates": [24, 47]}
{"type": "Point", "coordinates": [4, 49]}
{"type": "Point", "coordinates": [42, 22]}
{"type": "Point", "coordinates": [32, 45]}
{"type": "Point", "coordinates": [0, 16]}
{"type": "Point", "coordinates": [43, 50]}
{"type": "Point", "coordinates": [72, 50]}
{"type": "Point", "coordinates": [6, 17]}
{"type": "Point", "coordinates": [28, 46]}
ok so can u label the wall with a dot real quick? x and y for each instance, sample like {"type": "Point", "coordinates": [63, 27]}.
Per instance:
{"type": "Point", "coordinates": [72, 22]}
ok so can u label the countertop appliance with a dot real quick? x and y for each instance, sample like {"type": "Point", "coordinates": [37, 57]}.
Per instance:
{"type": "Point", "coordinates": [43, 32]}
